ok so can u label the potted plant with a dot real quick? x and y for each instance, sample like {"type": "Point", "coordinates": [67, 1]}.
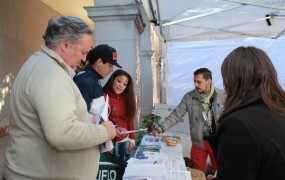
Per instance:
{"type": "Point", "coordinates": [149, 121]}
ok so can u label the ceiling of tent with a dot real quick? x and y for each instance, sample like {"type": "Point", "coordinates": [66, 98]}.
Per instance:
{"type": "Point", "coordinates": [191, 20]}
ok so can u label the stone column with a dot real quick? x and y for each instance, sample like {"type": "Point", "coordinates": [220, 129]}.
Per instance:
{"type": "Point", "coordinates": [147, 57]}
{"type": "Point", "coordinates": [119, 24]}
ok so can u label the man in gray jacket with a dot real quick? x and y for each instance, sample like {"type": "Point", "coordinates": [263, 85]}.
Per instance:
{"type": "Point", "coordinates": [203, 105]}
{"type": "Point", "coordinates": [49, 130]}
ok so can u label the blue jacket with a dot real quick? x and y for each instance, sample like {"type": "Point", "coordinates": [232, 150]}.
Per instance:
{"type": "Point", "coordinates": [89, 85]}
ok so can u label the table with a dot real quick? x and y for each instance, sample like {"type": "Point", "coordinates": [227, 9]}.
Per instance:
{"type": "Point", "coordinates": [155, 160]}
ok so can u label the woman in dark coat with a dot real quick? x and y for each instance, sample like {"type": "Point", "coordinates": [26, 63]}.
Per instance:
{"type": "Point", "coordinates": [251, 127]}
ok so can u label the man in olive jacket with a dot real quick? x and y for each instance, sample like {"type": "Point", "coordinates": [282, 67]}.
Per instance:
{"type": "Point", "coordinates": [204, 105]}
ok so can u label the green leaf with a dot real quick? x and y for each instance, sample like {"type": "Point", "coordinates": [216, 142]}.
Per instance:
{"type": "Point", "coordinates": [149, 121]}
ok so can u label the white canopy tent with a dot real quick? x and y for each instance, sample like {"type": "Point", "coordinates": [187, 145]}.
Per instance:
{"type": "Point", "coordinates": [189, 20]}
{"type": "Point", "coordinates": [185, 57]}
{"type": "Point", "coordinates": [200, 33]}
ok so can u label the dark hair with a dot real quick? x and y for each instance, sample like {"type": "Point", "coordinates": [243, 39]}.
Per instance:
{"type": "Point", "coordinates": [65, 27]}
{"type": "Point", "coordinates": [248, 76]}
{"type": "Point", "coordinates": [128, 92]}
{"type": "Point", "coordinates": [207, 74]}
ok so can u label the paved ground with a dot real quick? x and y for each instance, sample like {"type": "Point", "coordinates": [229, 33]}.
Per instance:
{"type": "Point", "coordinates": [3, 143]}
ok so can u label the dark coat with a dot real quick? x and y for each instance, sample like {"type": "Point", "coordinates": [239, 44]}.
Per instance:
{"type": "Point", "coordinates": [89, 84]}
{"type": "Point", "coordinates": [251, 144]}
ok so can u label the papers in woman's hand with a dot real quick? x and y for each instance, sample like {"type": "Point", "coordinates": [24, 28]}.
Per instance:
{"type": "Point", "coordinates": [133, 131]}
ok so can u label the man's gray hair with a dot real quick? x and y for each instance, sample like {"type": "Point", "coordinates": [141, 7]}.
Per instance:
{"type": "Point", "coordinates": [65, 28]}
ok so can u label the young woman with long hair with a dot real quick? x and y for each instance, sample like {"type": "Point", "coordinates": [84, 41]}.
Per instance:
{"type": "Point", "coordinates": [120, 90]}
{"type": "Point", "coordinates": [251, 138]}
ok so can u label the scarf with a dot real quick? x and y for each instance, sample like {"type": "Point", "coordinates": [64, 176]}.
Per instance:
{"type": "Point", "coordinates": [205, 101]}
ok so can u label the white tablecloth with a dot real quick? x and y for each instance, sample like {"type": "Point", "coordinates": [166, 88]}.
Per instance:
{"type": "Point", "coordinates": [167, 164]}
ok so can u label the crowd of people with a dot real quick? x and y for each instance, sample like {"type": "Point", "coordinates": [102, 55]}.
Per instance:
{"type": "Point", "coordinates": [240, 128]}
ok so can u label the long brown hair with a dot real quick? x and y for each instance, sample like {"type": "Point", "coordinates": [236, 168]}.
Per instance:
{"type": "Point", "coordinates": [248, 76]}
{"type": "Point", "coordinates": [128, 92]}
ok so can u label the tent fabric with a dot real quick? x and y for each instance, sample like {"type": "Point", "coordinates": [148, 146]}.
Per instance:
{"type": "Point", "coordinates": [196, 20]}
{"type": "Point", "coordinates": [185, 57]}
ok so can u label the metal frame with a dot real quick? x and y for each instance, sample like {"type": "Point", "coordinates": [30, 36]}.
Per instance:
{"type": "Point", "coordinates": [242, 3]}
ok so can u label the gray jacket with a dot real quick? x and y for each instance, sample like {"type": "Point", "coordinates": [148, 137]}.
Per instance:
{"type": "Point", "coordinates": [191, 104]}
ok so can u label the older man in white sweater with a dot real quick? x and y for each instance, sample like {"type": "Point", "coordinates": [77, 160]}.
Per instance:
{"type": "Point", "coordinates": [50, 134]}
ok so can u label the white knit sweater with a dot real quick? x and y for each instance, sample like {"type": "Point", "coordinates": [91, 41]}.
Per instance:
{"type": "Point", "coordinates": [50, 135]}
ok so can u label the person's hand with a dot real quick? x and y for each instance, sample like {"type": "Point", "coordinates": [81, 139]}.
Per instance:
{"type": "Point", "coordinates": [112, 151]}
{"type": "Point", "coordinates": [95, 118]}
{"type": "Point", "coordinates": [212, 177]}
{"type": "Point", "coordinates": [157, 131]}
{"type": "Point", "coordinates": [131, 146]}
{"type": "Point", "coordinates": [110, 128]}
{"type": "Point", "coordinates": [119, 131]}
